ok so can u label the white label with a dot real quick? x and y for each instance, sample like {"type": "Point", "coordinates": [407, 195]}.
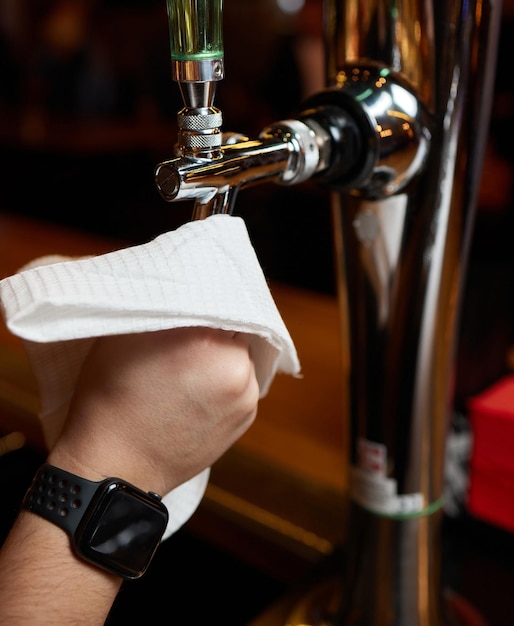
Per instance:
{"type": "Point", "coordinates": [372, 489]}
{"type": "Point", "coordinates": [372, 456]}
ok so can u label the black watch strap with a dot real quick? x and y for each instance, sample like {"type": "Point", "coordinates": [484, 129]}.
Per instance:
{"type": "Point", "coordinates": [59, 496]}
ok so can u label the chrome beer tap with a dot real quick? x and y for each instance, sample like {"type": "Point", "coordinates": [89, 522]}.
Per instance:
{"type": "Point", "coordinates": [375, 146]}
{"type": "Point", "coordinates": [397, 139]}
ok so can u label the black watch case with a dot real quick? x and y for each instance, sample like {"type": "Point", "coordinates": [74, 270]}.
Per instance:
{"type": "Point", "coordinates": [112, 524]}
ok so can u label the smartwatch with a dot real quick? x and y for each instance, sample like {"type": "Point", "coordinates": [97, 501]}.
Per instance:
{"type": "Point", "coordinates": [111, 523]}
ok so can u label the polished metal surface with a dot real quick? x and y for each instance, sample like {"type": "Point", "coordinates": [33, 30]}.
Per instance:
{"type": "Point", "coordinates": [401, 262]}
{"type": "Point", "coordinates": [193, 71]}
{"type": "Point", "coordinates": [288, 152]}
{"type": "Point", "coordinates": [197, 88]}
{"type": "Point", "coordinates": [391, 122]}
{"type": "Point", "coordinates": [369, 134]}
{"type": "Point", "coordinates": [398, 137]}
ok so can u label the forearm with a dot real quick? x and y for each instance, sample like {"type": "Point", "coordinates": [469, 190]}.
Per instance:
{"type": "Point", "coordinates": [43, 582]}
{"type": "Point", "coordinates": [152, 410]}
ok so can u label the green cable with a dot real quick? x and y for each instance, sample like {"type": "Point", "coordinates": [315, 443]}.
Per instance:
{"type": "Point", "coordinates": [428, 510]}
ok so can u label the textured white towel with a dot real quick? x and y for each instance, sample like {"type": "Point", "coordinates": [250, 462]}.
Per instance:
{"type": "Point", "coordinates": [205, 273]}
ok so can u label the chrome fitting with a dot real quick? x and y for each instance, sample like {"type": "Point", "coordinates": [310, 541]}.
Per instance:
{"type": "Point", "coordinates": [199, 131]}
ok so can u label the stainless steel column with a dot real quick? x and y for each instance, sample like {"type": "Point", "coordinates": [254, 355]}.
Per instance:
{"type": "Point", "coordinates": [401, 259]}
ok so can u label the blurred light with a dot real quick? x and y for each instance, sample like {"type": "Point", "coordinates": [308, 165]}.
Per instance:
{"type": "Point", "coordinates": [290, 6]}
{"type": "Point", "coordinates": [11, 442]}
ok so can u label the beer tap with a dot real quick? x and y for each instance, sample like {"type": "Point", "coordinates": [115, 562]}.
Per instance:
{"type": "Point", "coordinates": [397, 138]}
{"type": "Point", "coordinates": [370, 136]}
{"type": "Point", "coordinates": [196, 45]}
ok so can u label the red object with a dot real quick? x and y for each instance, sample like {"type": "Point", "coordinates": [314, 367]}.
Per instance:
{"type": "Point", "coordinates": [491, 484]}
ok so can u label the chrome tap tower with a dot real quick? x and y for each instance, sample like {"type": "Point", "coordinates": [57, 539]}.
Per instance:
{"type": "Point", "coordinates": [397, 138]}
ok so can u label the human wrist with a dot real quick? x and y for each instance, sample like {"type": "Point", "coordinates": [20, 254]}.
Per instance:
{"type": "Point", "coordinates": [111, 523]}
{"type": "Point", "coordinates": [96, 462]}
{"type": "Point", "coordinates": [38, 557]}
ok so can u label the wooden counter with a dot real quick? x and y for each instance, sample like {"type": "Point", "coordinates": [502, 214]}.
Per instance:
{"type": "Point", "coordinates": [21, 241]}
{"type": "Point", "coordinates": [277, 498]}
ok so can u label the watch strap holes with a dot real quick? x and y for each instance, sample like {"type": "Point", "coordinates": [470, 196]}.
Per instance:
{"type": "Point", "coordinates": [60, 497]}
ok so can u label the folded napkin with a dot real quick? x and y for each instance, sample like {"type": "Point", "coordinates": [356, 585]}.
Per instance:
{"type": "Point", "coordinates": [205, 273]}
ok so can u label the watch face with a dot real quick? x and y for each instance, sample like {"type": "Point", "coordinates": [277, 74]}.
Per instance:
{"type": "Point", "coordinates": [124, 530]}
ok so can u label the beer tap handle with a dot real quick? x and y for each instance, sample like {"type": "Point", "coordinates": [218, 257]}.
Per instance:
{"type": "Point", "coordinates": [196, 45]}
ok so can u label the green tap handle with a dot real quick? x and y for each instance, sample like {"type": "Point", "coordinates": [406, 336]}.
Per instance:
{"type": "Point", "coordinates": [196, 42]}
{"type": "Point", "coordinates": [196, 29]}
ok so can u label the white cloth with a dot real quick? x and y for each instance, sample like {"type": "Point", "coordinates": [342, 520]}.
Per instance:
{"type": "Point", "coordinates": [205, 273]}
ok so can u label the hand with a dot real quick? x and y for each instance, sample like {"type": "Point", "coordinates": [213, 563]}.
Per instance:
{"type": "Point", "coordinates": [157, 408]}
{"type": "Point", "coordinates": [154, 409]}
